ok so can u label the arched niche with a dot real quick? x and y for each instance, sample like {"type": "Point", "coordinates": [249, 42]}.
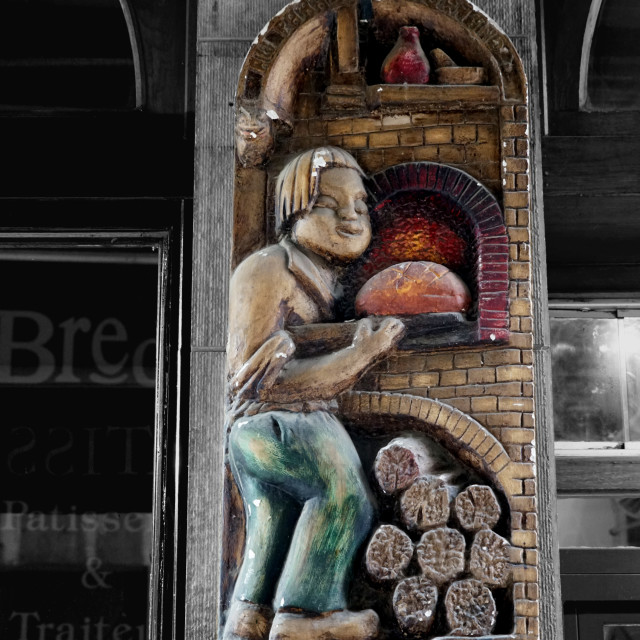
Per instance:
{"type": "Point", "coordinates": [455, 221]}
{"type": "Point", "coordinates": [308, 67]}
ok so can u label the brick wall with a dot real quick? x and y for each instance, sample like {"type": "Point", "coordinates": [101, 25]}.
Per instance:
{"type": "Point", "coordinates": [493, 385]}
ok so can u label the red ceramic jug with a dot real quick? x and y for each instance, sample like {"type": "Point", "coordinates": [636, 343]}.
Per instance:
{"type": "Point", "coordinates": [406, 62]}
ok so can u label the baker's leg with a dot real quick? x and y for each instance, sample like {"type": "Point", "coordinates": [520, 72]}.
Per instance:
{"type": "Point", "coordinates": [336, 519]}
{"type": "Point", "coordinates": [270, 517]}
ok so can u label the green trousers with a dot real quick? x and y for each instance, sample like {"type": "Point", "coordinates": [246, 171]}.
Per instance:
{"type": "Point", "coordinates": [307, 506]}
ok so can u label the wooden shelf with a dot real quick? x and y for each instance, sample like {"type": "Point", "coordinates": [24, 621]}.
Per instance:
{"type": "Point", "coordinates": [380, 95]}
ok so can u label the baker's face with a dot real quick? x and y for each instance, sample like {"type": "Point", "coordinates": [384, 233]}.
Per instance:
{"type": "Point", "coordinates": [337, 227]}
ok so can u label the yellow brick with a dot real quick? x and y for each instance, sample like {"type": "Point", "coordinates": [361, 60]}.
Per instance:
{"type": "Point", "coordinates": [531, 521]}
{"type": "Point", "coordinates": [383, 139]}
{"type": "Point", "coordinates": [425, 379]}
{"type": "Point", "coordinates": [525, 252]}
{"type": "Point", "coordinates": [531, 557]}
{"type": "Point", "coordinates": [501, 357]}
{"type": "Point", "coordinates": [466, 360]}
{"type": "Point", "coordinates": [525, 539]}
{"type": "Point", "coordinates": [407, 363]}
{"type": "Point", "coordinates": [454, 377]}
{"type": "Point", "coordinates": [464, 133]}
{"type": "Point", "coordinates": [482, 375]}
{"type": "Point", "coordinates": [440, 361]}
{"type": "Point", "coordinates": [393, 382]}
{"type": "Point", "coordinates": [523, 470]}
{"type": "Point", "coordinates": [452, 154]}
{"type": "Point", "coordinates": [521, 340]}
{"type": "Point", "coordinates": [470, 390]}
{"type": "Point", "coordinates": [530, 487]}
{"type": "Point", "coordinates": [442, 392]}
{"type": "Point", "coordinates": [451, 117]}
{"type": "Point", "coordinates": [500, 462]}
{"type": "Point", "coordinates": [516, 199]}
{"type": "Point", "coordinates": [370, 160]}
{"type": "Point", "coordinates": [526, 324]}
{"type": "Point", "coordinates": [522, 184]}
{"type": "Point", "coordinates": [487, 133]}
{"type": "Point", "coordinates": [521, 626]}
{"type": "Point", "coordinates": [411, 137]}
{"type": "Point", "coordinates": [422, 119]}
{"type": "Point", "coordinates": [532, 592]}
{"type": "Point", "coordinates": [523, 214]}
{"type": "Point", "coordinates": [398, 155]}
{"type": "Point", "coordinates": [486, 404]}
{"type": "Point", "coordinates": [514, 130]}
{"type": "Point", "coordinates": [426, 154]}
{"type": "Point", "coordinates": [512, 372]}
{"type": "Point", "coordinates": [443, 416]}
{"type": "Point", "coordinates": [507, 113]}
{"type": "Point", "coordinates": [519, 234]}
{"type": "Point", "coordinates": [355, 142]}
{"type": "Point", "coordinates": [509, 182]}
{"type": "Point", "coordinates": [366, 125]}
{"type": "Point", "coordinates": [517, 435]}
{"type": "Point", "coordinates": [503, 419]}
{"type": "Point", "coordinates": [510, 217]}
{"type": "Point", "coordinates": [525, 574]}
{"type": "Point", "coordinates": [437, 135]}
{"type": "Point", "coordinates": [515, 404]}
{"type": "Point", "coordinates": [470, 433]}
{"type": "Point", "coordinates": [526, 608]}
{"type": "Point", "coordinates": [512, 486]}
{"type": "Point", "coordinates": [339, 127]}
{"type": "Point", "coordinates": [522, 148]}
{"type": "Point", "coordinates": [462, 404]}
{"type": "Point", "coordinates": [504, 389]}
{"type": "Point", "coordinates": [389, 122]}
{"type": "Point", "coordinates": [517, 165]}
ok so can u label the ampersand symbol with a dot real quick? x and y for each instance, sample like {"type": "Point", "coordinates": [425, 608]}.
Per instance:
{"type": "Point", "coordinates": [93, 578]}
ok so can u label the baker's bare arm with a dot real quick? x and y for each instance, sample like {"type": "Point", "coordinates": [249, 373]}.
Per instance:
{"type": "Point", "coordinates": [262, 353]}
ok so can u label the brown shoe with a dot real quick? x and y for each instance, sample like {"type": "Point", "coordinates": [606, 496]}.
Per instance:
{"type": "Point", "coordinates": [335, 625]}
{"type": "Point", "coordinates": [247, 621]}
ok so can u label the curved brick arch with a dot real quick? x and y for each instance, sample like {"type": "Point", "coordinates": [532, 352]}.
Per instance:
{"type": "Point", "coordinates": [455, 430]}
{"type": "Point", "coordinates": [460, 16]}
{"type": "Point", "coordinates": [485, 216]}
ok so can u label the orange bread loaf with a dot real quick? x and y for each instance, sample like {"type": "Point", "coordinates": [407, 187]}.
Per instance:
{"type": "Point", "coordinates": [411, 288]}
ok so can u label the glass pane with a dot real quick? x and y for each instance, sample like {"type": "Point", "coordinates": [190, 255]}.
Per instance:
{"type": "Point", "coordinates": [621, 631]}
{"type": "Point", "coordinates": [614, 65]}
{"type": "Point", "coordinates": [595, 521]}
{"type": "Point", "coordinates": [632, 352]}
{"type": "Point", "coordinates": [585, 360]}
{"type": "Point", "coordinates": [77, 363]}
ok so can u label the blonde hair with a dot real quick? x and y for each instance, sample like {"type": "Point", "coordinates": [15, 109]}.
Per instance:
{"type": "Point", "coordinates": [298, 183]}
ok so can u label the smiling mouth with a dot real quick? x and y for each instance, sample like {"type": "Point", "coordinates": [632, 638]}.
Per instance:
{"type": "Point", "coordinates": [349, 232]}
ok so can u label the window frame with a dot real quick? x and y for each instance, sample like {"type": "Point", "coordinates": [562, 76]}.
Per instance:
{"type": "Point", "coordinates": [166, 588]}
{"type": "Point", "coordinates": [598, 468]}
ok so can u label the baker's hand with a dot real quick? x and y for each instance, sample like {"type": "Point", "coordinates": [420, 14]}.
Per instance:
{"type": "Point", "coordinates": [378, 341]}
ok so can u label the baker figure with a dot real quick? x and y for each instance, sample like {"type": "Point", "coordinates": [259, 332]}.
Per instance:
{"type": "Point", "coordinates": [306, 500]}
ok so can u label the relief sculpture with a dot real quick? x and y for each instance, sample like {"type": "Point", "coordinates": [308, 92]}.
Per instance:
{"type": "Point", "coordinates": [308, 507]}
{"type": "Point", "coordinates": [379, 415]}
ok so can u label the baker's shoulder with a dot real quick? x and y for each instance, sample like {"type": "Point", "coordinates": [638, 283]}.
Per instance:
{"type": "Point", "coordinates": [263, 265]}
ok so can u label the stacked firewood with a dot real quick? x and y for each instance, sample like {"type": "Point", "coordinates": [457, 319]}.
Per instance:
{"type": "Point", "coordinates": [444, 552]}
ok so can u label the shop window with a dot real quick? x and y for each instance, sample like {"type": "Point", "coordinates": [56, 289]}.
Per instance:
{"type": "Point", "coordinates": [87, 448]}
{"type": "Point", "coordinates": [595, 351]}
{"type": "Point", "coordinates": [66, 54]}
